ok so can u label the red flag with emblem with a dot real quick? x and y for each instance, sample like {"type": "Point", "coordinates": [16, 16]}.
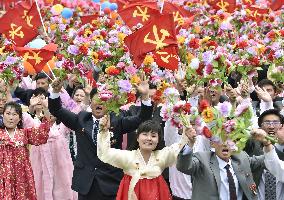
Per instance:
{"type": "Point", "coordinates": [276, 4]}
{"type": "Point", "coordinates": [88, 18]}
{"type": "Point", "coordinates": [20, 24]}
{"type": "Point", "coordinates": [248, 2]}
{"type": "Point", "coordinates": [167, 57]}
{"type": "Point", "coordinates": [134, 14]}
{"type": "Point", "coordinates": [37, 57]}
{"type": "Point", "coordinates": [151, 37]}
{"type": "Point", "coordinates": [257, 14]}
{"type": "Point", "coordinates": [225, 5]}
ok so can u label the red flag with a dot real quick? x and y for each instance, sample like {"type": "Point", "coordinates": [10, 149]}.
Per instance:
{"type": "Point", "coordinates": [225, 5]}
{"type": "Point", "coordinates": [134, 14]}
{"type": "Point", "coordinates": [20, 24]}
{"type": "Point", "coordinates": [37, 57]}
{"type": "Point", "coordinates": [152, 37]}
{"type": "Point", "coordinates": [179, 13]}
{"type": "Point", "coordinates": [167, 57]}
{"type": "Point", "coordinates": [248, 2]}
{"type": "Point", "coordinates": [257, 14]}
{"type": "Point", "coordinates": [276, 4]}
{"type": "Point", "coordinates": [88, 18]}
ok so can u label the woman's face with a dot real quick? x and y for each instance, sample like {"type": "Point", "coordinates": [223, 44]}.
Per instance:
{"type": "Point", "coordinates": [148, 141]}
{"type": "Point", "coordinates": [79, 96]}
{"type": "Point", "coordinates": [11, 118]}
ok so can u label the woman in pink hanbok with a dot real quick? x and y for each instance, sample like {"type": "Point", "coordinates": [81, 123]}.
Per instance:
{"type": "Point", "coordinates": [51, 163]}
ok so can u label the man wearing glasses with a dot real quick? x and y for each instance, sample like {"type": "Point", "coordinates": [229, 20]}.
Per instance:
{"type": "Point", "coordinates": [271, 121]}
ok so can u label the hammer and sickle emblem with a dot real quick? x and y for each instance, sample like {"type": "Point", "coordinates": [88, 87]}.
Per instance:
{"type": "Point", "coordinates": [223, 5]}
{"type": "Point", "coordinates": [35, 56]}
{"type": "Point", "coordinates": [16, 31]}
{"type": "Point", "coordinates": [178, 18]}
{"type": "Point", "coordinates": [141, 13]}
{"type": "Point", "coordinates": [28, 18]}
{"type": "Point", "coordinates": [159, 42]}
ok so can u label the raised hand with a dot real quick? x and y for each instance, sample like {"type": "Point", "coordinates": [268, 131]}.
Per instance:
{"type": "Point", "coordinates": [57, 85]}
{"type": "Point", "coordinates": [231, 93]}
{"type": "Point", "coordinates": [105, 123]}
{"type": "Point", "coordinates": [191, 134]}
{"type": "Point", "coordinates": [34, 100]}
{"type": "Point", "coordinates": [143, 87]}
{"type": "Point", "coordinates": [263, 94]}
{"type": "Point", "coordinates": [88, 86]}
{"type": "Point", "coordinates": [244, 88]}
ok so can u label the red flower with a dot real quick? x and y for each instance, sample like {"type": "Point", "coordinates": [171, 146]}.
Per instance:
{"type": "Point", "coordinates": [254, 61]}
{"type": "Point", "coordinates": [206, 132]}
{"type": "Point", "coordinates": [83, 50]}
{"type": "Point", "coordinates": [103, 33]}
{"type": "Point", "coordinates": [60, 56]}
{"type": "Point", "coordinates": [212, 43]}
{"type": "Point", "coordinates": [131, 97]}
{"type": "Point", "coordinates": [199, 71]}
{"type": "Point", "coordinates": [203, 104]}
{"type": "Point", "coordinates": [242, 44]}
{"type": "Point", "coordinates": [194, 43]}
{"type": "Point", "coordinates": [271, 34]}
{"type": "Point", "coordinates": [147, 70]}
{"type": "Point", "coordinates": [281, 32]}
{"type": "Point", "coordinates": [157, 96]}
{"type": "Point", "coordinates": [177, 108]}
{"type": "Point", "coordinates": [8, 48]}
{"type": "Point", "coordinates": [186, 108]}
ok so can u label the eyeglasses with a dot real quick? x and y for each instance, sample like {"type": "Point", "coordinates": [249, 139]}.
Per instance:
{"type": "Point", "coordinates": [271, 123]}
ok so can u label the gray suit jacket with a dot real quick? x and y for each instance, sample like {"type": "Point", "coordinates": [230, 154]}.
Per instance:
{"type": "Point", "coordinates": [205, 172]}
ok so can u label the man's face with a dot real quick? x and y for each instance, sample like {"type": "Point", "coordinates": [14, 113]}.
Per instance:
{"type": "Point", "coordinates": [222, 150]}
{"type": "Point", "coordinates": [271, 124]}
{"type": "Point", "coordinates": [98, 110]}
{"type": "Point", "coordinates": [280, 135]}
{"type": "Point", "coordinates": [270, 90]}
{"type": "Point", "coordinates": [42, 83]}
{"type": "Point", "coordinates": [3, 101]}
{"type": "Point", "coordinates": [215, 93]}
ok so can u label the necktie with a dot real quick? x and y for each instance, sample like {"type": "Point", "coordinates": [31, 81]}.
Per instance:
{"type": "Point", "coordinates": [232, 186]}
{"type": "Point", "coordinates": [1, 120]}
{"type": "Point", "coordinates": [95, 131]}
{"type": "Point", "coordinates": [270, 186]}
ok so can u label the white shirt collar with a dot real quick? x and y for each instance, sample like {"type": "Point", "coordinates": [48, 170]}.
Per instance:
{"type": "Point", "coordinates": [279, 147]}
{"type": "Point", "coordinates": [94, 118]}
{"type": "Point", "coordinates": [222, 163]}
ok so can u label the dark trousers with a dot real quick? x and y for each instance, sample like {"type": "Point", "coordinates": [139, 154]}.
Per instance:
{"type": "Point", "coordinates": [95, 193]}
{"type": "Point", "coordinates": [177, 198]}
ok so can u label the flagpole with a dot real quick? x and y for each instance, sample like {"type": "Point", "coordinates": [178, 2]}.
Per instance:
{"type": "Point", "coordinates": [162, 6]}
{"type": "Point", "coordinates": [44, 29]}
{"type": "Point", "coordinates": [47, 75]}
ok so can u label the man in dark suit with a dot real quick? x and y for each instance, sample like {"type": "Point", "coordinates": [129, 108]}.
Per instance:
{"type": "Point", "coordinates": [42, 81]}
{"type": "Point", "coordinates": [93, 179]}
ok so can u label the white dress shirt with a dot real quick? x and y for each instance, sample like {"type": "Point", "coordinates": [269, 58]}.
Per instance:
{"type": "Point", "coordinates": [224, 186]}
{"type": "Point", "coordinates": [279, 185]}
{"type": "Point", "coordinates": [274, 165]}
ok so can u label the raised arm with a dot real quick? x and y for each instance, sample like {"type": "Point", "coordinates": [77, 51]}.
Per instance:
{"type": "Point", "coordinates": [274, 164]}
{"type": "Point", "coordinates": [67, 117]}
{"type": "Point", "coordinates": [115, 157]}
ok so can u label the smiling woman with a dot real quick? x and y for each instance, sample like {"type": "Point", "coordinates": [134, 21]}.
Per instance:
{"type": "Point", "coordinates": [143, 165]}
{"type": "Point", "coordinates": [16, 176]}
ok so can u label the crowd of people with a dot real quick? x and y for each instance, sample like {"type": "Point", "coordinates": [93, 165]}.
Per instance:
{"type": "Point", "coordinates": [58, 142]}
{"type": "Point", "coordinates": [141, 100]}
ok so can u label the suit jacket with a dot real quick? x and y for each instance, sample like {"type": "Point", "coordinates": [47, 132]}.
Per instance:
{"type": "Point", "coordinates": [87, 166]}
{"type": "Point", "coordinates": [205, 172]}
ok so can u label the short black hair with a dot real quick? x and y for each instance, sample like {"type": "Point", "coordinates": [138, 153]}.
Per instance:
{"type": "Point", "coordinates": [147, 126]}
{"type": "Point", "coordinates": [40, 75]}
{"type": "Point", "coordinates": [265, 82]}
{"type": "Point", "coordinates": [270, 112]}
{"type": "Point", "coordinates": [79, 87]}
{"type": "Point", "coordinates": [18, 110]}
{"type": "Point", "coordinates": [40, 91]}
{"type": "Point", "coordinates": [93, 92]}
